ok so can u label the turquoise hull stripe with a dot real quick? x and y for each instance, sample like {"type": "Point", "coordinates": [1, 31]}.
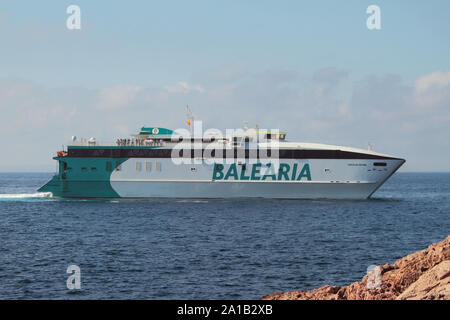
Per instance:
{"type": "Point", "coordinates": [83, 177]}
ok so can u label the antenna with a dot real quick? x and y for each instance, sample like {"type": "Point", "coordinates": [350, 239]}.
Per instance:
{"type": "Point", "coordinates": [257, 132]}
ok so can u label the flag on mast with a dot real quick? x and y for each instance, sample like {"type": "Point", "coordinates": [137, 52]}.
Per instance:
{"type": "Point", "coordinates": [190, 116]}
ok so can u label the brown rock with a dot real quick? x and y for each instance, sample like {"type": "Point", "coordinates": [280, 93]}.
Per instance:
{"type": "Point", "coordinates": [433, 284]}
{"type": "Point", "coordinates": [424, 274]}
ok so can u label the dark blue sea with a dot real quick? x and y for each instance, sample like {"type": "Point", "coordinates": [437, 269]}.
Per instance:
{"type": "Point", "coordinates": [218, 249]}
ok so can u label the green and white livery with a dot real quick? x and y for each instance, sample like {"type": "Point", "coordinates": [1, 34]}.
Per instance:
{"type": "Point", "coordinates": [159, 162]}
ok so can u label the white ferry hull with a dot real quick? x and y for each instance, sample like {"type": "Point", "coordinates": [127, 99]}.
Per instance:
{"type": "Point", "coordinates": [330, 179]}
{"type": "Point", "coordinates": [220, 190]}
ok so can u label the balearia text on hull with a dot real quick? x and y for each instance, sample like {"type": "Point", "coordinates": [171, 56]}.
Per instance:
{"type": "Point", "coordinates": [251, 163]}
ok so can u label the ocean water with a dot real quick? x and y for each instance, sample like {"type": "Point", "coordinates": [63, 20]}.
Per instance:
{"type": "Point", "coordinates": [208, 249]}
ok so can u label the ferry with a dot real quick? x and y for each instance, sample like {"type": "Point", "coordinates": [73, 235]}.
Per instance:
{"type": "Point", "coordinates": [162, 163]}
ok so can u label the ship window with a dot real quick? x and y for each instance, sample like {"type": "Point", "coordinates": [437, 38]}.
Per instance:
{"type": "Point", "coordinates": [93, 169]}
{"type": "Point", "coordinates": [158, 166]}
{"type": "Point", "coordinates": [193, 169]}
{"type": "Point", "coordinates": [379, 164]}
{"type": "Point", "coordinates": [148, 166]}
{"type": "Point", "coordinates": [138, 166]}
{"type": "Point", "coordinates": [84, 169]}
{"type": "Point", "coordinates": [237, 141]}
{"type": "Point", "coordinates": [108, 166]}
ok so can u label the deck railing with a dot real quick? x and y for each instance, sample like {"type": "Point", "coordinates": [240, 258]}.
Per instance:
{"type": "Point", "coordinates": [118, 143]}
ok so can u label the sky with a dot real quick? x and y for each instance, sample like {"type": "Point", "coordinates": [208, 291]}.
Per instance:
{"type": "Point", "coordinates": [312, 68]}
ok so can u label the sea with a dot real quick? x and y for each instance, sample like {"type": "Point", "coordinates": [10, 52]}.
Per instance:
{"type": "Point", "coordinates": [207, 249]}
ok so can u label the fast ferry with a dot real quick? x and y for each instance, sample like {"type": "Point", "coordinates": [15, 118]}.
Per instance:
{"type": "Point", "coordinates": [251, 163]}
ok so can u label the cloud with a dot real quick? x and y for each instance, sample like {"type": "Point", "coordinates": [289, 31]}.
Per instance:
{"type": "Point", "coordinates": [405, 119]}
{"type": "Point", "coordinates": [432, 90]}
{"type": "Point", "coordinates": [184, 87]}
{"type": "Point", "coordinates": [436, 79]}
{"type": "Point", "coordinates": [117, 97]}
{"type": "Point", "coordinates": [27, 106]}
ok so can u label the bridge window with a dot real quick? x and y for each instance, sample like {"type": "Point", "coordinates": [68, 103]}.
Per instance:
{"type": "Point", "coordinates": [138, 166]}
{"type": "Point", "coordinates": [148, 166]}
{"type": "Point", "coordinates": [158, 166]}
{"type": "Point", "coordinates": [380, 164]}
{"type": "Point", "coordinates": [108, 166]}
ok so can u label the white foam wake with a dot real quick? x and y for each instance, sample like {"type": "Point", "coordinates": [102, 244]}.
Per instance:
{"type": "Point", "coordinates": [26, 195]}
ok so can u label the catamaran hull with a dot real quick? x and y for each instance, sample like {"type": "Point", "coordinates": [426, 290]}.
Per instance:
{"type": "Point", "coordinates": [301, 179]}
{"type": "Point", "coordinates": [217, 190]}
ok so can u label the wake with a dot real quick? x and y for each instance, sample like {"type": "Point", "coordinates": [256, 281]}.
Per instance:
{"type": "Point", "coordinates": [26, 195]}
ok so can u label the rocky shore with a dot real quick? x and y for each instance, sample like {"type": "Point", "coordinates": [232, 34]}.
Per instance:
{"type": "Point", "coordinates": [423, 275]}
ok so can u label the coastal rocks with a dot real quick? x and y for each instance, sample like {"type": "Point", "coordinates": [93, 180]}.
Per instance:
{"type": "Point", "coordinates": [433, 284]}
{"type": "Point", "coordinates": [421, 275]}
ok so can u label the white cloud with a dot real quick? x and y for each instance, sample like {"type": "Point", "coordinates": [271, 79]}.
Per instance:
{"type": "Point", "coordinates": [117, 97]}
{"type": "Point", "coordinates": [436, 79]}
{"type": "Point", "coordinates": [432, 90]}
{"type": "Point", "coordinates": [184, 87]}
{"type": "Point", "coordinates": [381, 109]}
